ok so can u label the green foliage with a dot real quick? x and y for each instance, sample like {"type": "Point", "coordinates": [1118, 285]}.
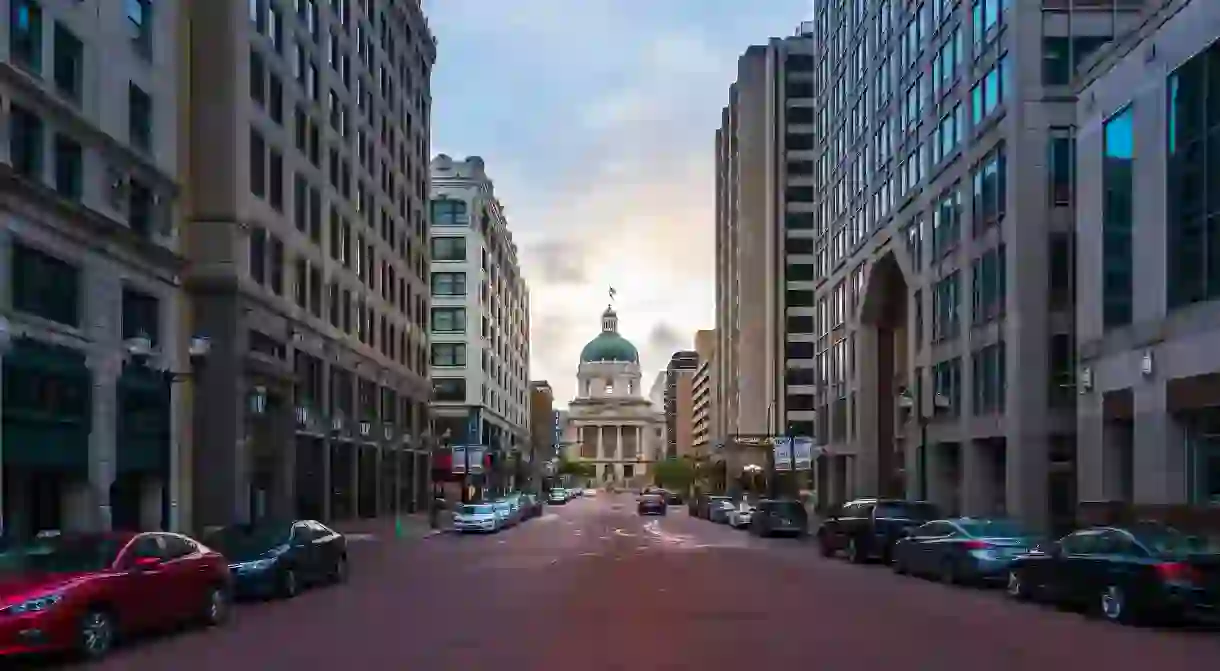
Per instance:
{"type": "Point", "coordinates": [675, 474]}
{"type": "Point", "coordinates": [578, 469]}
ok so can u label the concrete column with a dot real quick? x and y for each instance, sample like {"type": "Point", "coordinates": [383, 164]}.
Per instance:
{"type": "Point", "coordinates": [1159, 459]}
{"type": "Point", "coordinates": [1026, 479]}
{"type": "Point", "coordinates": [597, 430]}
{"type": "Point", "coordinates": [863, 475]}
{"type": "Point", "coordinates": [978, 483]}
{"type": "Point", "coordinates": [102, 448]}
{"type": "Point", "coordinates": [618, 442]}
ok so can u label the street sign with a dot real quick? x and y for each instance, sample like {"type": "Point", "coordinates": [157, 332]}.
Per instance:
{"type": "Point", "coordinates": [782, 446]}
{"type": "Point", "coordinates": [459, 459]}
{"type": "Point", "coordinates": [802, 453]}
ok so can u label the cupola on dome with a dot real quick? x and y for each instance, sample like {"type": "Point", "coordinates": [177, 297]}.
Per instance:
{"type": "Point", "coordinates": [609, 346]}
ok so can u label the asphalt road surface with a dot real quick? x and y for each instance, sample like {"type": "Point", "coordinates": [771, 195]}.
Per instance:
{"type": "Point", "coordinates": [590, 586]}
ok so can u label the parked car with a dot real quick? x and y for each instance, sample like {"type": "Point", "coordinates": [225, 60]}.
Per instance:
{"type": "Point", "coordinates": [673, 498]}
{"type": "Point", "coordinates": [280, 558]}
{"type": "Point", "coordinates": [1127, 574]}
{"type": "Point", "coordinates": [589, 491]}
{"type": "Point", "coordinates": [718, 509]}
{"type": "Point", "coordinates": [531, 506]}
{"type": "Point", "coordinates": [962, 550]}
{"type": "Point", "coordinates": [80, 593]}
{"type": "Point", "coordinates": [557, 497]}
{"type": "Point", "coordinates": [708, 504]}
{"type": "Point", "coordinates": [779, 517]}
{"type": "Point", "coordinates": [509, 514]}
{"type": "Point", "coordinates": [477, 517]}
{"type": "Point", "coordinates": [868, 528]}
{"type": "Point", "coordinates": [652, 504]}
{"type": "Point", "coordinates": [739, 516]}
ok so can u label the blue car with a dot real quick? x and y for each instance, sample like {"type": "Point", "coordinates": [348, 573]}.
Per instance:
{"type": "Point", "coordinates": [279, 559]}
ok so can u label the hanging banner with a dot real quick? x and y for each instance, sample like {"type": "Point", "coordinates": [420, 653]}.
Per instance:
{"type": "Point", "coordinates": [782, 447]}
{"type": "Point", "coordinates": [459, 459]}
{"type": "Point", "coordinates": [477, 453]}
{"type": "Point", "coordinates": [802, 453]}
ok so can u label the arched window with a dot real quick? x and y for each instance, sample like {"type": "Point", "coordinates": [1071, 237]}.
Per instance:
{"type": "Point", "coordinates": [450, 212]}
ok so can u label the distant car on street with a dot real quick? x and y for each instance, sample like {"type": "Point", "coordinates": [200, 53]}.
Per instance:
{"type": "Point", "coordinates": [477, 518]}
{"type": "Point", "coordinates": [779, 517]}
{"type": "Point", "coordinates": [739, 516]}
{"type": "Point", "coordinates": [509, 512]}
{"type": "Point", "coordinates": [590, 492]}
{"type": "Point", "coordinates": [557, 497]}
{"type": "Point", "coordinates": [868, 528]}
{"type": "Point", "coordinates": [718, 508]}
{"type": "Point", "coordinates": [652, 504]}
{"type": "Point", "coordinates": [962, 550]}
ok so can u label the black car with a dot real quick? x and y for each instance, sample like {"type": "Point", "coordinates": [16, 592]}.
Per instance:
{"type": "Point", "coordinates": [868, 528]}
{"type": "Point", "coordinates": [772, 517]}
{"type": "Point", "coordinates": [673, 498]}
{"type": "Point", "coordinates": [1126, 574]}
{"type": "Point", "coordinates": [652, 504]}
{"type": "Point", "coordinates": [273, 558]}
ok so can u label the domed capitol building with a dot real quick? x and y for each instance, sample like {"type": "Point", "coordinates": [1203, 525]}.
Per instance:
{"type": "Point", "coordinates": [611, 424]}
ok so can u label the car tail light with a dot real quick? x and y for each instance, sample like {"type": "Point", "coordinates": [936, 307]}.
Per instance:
{"type": "Point", "coordinates": [977, 545]}
{"type": "Point", "coordinates": [1177, 572]}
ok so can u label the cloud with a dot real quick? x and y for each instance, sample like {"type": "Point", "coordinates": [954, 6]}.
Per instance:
{"type": "Point", "coordinates": [666, 338]}
{"type": "Point", "coordinates": [555, 262]}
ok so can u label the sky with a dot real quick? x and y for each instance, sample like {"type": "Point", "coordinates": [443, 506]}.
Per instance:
{"type": "Point", "coordinates": [597, 120]}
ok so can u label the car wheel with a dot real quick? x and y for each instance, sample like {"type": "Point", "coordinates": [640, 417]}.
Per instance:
{"type": "Point", "coordinates": [289, 587]}
{"type": "Point", "coordinates": [1016, 587]}
{"type": "Point", "coordinates": [96, 633]}
{"type": "Point", "coordinates": [854, 555]}
{"type": "Point", "coordinates": [339, 572]}
{"type": "Point", "coordinates": [948, 572]}
{"type": "Point", "coordinates": [216, 607]}
{"type": "Point", "coordinates": [1113, 605]}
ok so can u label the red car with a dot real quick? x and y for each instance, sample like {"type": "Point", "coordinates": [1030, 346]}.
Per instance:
{"type": "Point", "coordinates": [78, 593]}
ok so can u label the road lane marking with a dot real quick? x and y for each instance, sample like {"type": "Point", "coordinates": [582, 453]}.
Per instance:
{"type": "Point", "coordinates": [360, 538]}
{"type": "Point", "coordinates": [624, 534]}
{"type": "Point", "coordinates": [589, 554]}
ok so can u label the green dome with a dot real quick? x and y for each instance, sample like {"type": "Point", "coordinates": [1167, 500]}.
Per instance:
{"type": "Point", "coordinates": [609, 346]}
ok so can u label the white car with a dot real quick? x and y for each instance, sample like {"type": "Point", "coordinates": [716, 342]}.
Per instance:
{"type": "Point", "coordinates": [505, 513]}
{"type": "Point", "coordinates": [739, 517]}
{"type": "Point", "coordinates": [590, 492]}
{"type": "Point", "coordinates": [480, 518]}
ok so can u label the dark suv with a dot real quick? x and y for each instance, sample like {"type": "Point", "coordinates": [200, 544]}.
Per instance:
{"type": "Point", "coordinates": [773, 517]}
{"type": "Point", "coordinates": [868, 528]}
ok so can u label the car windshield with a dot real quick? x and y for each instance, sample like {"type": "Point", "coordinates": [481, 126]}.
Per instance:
{"type": "Point", "coordinates": [907, 510]}
{"type": "Point", "coordinates": [787, 508]}
{"type": "Point", "coordinates": [503, 505]}
{"type": "Point", "coordinates": [240, 539]}
{"type": "Point", "coordinates": [1165, 540]}
{"type": "Point", "coordinates": [61, 555]}
{"type": "Point", "coordinates": [477, 510]}
{"type": "Point", "coordinates": [992, 528]}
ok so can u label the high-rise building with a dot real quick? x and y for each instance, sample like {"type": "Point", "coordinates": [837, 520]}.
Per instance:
{"type": "Point", "coordinates": [543, 423]}
{"type": "Point", "coordinates": [679, 403]}
{"type": "Point", "coordinates": [929, 297]}
{"type": "Point", "coordinates": [703, 387]}
{"type": "Point", "coordinates": [480, 314]}
{"type": "Point", "coordinates": [1149, 405]}
{"type": "Point", "coordinates": [764, 203]}
{"type": "Point", "coordinates": [309, 179]}
{"type": "Point", "coordinates": [91, 303]}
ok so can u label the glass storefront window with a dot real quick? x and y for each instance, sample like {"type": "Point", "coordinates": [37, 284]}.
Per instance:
{"type": "Point", "coordinates": [1203, 458]}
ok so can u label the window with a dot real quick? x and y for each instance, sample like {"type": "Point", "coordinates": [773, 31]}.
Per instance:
{"type": "Point", "coordinates": [448, 320]}
{"type": "Point", "coordinates": [258, 164]}
{"type": "Point", "coordinates": [277, 265]}
{"type": "Point", "coordinates": [449, 389]}
{"type": "Point", "coordinates": [141, 315]}
{"type": "Point", "coordinates": [300, 285]}
{"type": "Point", "coordinates": [1117, 219]}
{"type": "Point", "coordinates": [914, 240]}
{"type": "Point", "coordinates": [26, 143]}
{"type": "Point", "coordinates": [989, 93]}
{"type": "Point", "coordinates": [275, 98]}
{"type": "Point", "coordinates": [69, 164]}
{"type": "Point", "coordinates": [988, 285]}
{"type": "Point", "coordinates": [139, 117]}
{"type": "Point", "coordinates": [947, 383]}
{"type": "Point", "coordinates": [985, 15]}
{"type": "Point", "coordinates": [448, 354]}
{"type": "Point", "coordinates": [447, 212]}
{"type": "Point", "coordinates": [946, 308]}
{"type": "Point", "coordinates": [989, 379]}
{"type": "Point", "coordinates": [258, 78]}
{"type": "Point", "coordinates": [140, 208]}
{"type": "Point", "coordinates": [1061, 56]}
{"type": "Point", "coordinates": [449, 249]}
{"type": "Point", "coordinates": [258, 255]}
{"type": "Point", "coordinates": [448, 284]}
{"type": "Point", "coordinates": [990, 182]}
{"type": "Point", "coordinates": [139, 15]}
{"type": "Point", "coordinates": [45, 286]}
{"type": "Point", "coordinates": [1061, 159]}
{"type": "Point", "coordinates": [947, 222]}
{"type": "Point", "coordinates": [69, 62]}
{"type": "Point", "coordinates": [275, 182]}
{"type": "Point", "coordinates": [25, 34]}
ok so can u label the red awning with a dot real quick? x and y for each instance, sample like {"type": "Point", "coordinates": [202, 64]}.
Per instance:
{"type": "Point", "coordinates": [442, 461]}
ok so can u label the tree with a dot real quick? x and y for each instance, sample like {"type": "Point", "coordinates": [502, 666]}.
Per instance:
{"type": "Point", "coordinates": [577, 469]}
{"type": "Point", "coordinates": [675, 474]}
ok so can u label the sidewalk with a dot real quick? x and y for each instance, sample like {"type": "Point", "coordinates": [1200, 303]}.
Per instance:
{"type": "Point", "coordinates": [412, 527]}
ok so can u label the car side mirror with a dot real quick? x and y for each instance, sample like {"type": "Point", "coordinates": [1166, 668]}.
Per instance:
{"type": "Point", "coordinates": [146, 563]}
